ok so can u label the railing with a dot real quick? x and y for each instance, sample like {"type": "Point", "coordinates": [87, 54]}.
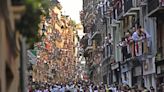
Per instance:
{"type": "Point", "coordinates": [119, 9]}
{"type": "Point", "coordinates": [107, 50]}
{"type": "Point", "coordinates": [135, 49]}
{"type": "Point", "coordinates": [128, 4]}
{"type": "Point", "coordinates": [110, 50]}
{"type": "Point", "coordinates": [152, 4]}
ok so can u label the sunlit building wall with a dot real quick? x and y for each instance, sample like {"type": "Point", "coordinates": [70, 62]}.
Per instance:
{"type": "Point", "coordinates": [11, 48]}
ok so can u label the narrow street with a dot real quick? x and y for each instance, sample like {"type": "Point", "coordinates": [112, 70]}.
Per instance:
{"type": "Point", "coordinates": [81, 46]}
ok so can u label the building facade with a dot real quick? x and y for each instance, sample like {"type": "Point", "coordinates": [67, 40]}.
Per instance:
{"type": "Point", "coordinates": [116, 21]}
{"type": "Point", "coordinates": [12, 47]}
{"type": "Point", "coordinates": [56, 53]}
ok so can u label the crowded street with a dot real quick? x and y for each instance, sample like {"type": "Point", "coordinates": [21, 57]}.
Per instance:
{"type": "Point", "coordinates": [83, 86]}
{"type": "Point", "coordinates": [81, 46]}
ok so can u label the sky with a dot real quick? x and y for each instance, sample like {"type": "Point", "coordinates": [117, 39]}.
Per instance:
{"type": "Point", "coordinates": [72, 8]}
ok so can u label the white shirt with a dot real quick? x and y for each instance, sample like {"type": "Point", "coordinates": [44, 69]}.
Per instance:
{"type": "Point", "coordinates": [95, 90]}
{"type": "Point", "coordinates": [55, 90]}
{"type": "Point", "coordinates": [62, 89]}
{"type": "Point", "coordinates": [114, 89]}
{"type": "Point", "coordinates": [81, 89]}
{"type": "Point", "coordinates": [135, 36]}
{"type": "Point", "coordinates": [90, 89]}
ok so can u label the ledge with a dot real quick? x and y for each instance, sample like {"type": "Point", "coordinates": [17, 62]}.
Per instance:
{"type": "Point", "coordinates": [155, 11]}
{"type": "Point", "coordinates": [89, 48]}
{"type": "Point", "coordinates": [95, 34]}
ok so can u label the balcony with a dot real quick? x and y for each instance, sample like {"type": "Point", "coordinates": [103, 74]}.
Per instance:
{"type": "Point", "coordinates": [155, 7]}
{"type": "Point", "coordinates": [94, 32]}
{"type": "Point", "coordinates": [152, 4]}
{"type": "Point", "coordinates": [115, 22]}
{"type": "Point", "coordinates": [135, 49]}
{"type": "Point", "coordinates": [107, 53]}
{"type": "Point", "coordinates": [131, 6]}
{"type": "Point", "coordinates": [97, 35]}
{"type": "Point", "coordinates": [119, 7]}
{"type": "Point", "coordinates": [89, 48]}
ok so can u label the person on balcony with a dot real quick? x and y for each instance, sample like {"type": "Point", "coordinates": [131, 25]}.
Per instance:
{"type": "Point", "coordinates": [124, 48]}
{"type": "Point", "coordinates": [146, 41]}
{"type": "Point", "coordinates": [125, 44]}
{"type": "Point", "coordinates": [128, 39]}
{"type": "Point", "coordinates": [138, 37]}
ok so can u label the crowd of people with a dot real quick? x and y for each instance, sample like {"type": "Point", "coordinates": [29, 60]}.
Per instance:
{"type": "Point", "coordinates": [135, 43]}
{"type": "Point", "coordinates": [90, 87]}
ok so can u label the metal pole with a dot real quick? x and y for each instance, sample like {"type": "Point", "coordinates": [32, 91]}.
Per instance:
{"type": "Point", "coordinates": [23, 65]}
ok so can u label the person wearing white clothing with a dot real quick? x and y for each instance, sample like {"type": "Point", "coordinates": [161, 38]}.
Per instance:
{"type": "Point", "coordinates": [90, 89]}
{"type": "Point", "coordinates": [55, 89]}
{"type": "Point", "coordinates": [81, 89]}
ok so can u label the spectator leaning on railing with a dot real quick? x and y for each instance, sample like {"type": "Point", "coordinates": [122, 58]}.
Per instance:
{"type": "Point", "coordinates": [126, 45]}
{"type": "Point", "coordinates": [135, 44]}
{"type": "Point", "coordinates": [140, 38]}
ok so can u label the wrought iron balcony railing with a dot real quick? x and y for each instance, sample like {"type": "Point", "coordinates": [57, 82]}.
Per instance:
{"type": "Point", "coordinates": [128, 4]}
{"type": "Point", "coordinates": [152, 4]}
{"type": "Point", "coordinates": [135, 49]}
{"type": "Point", "coordinates": [119, 11]}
